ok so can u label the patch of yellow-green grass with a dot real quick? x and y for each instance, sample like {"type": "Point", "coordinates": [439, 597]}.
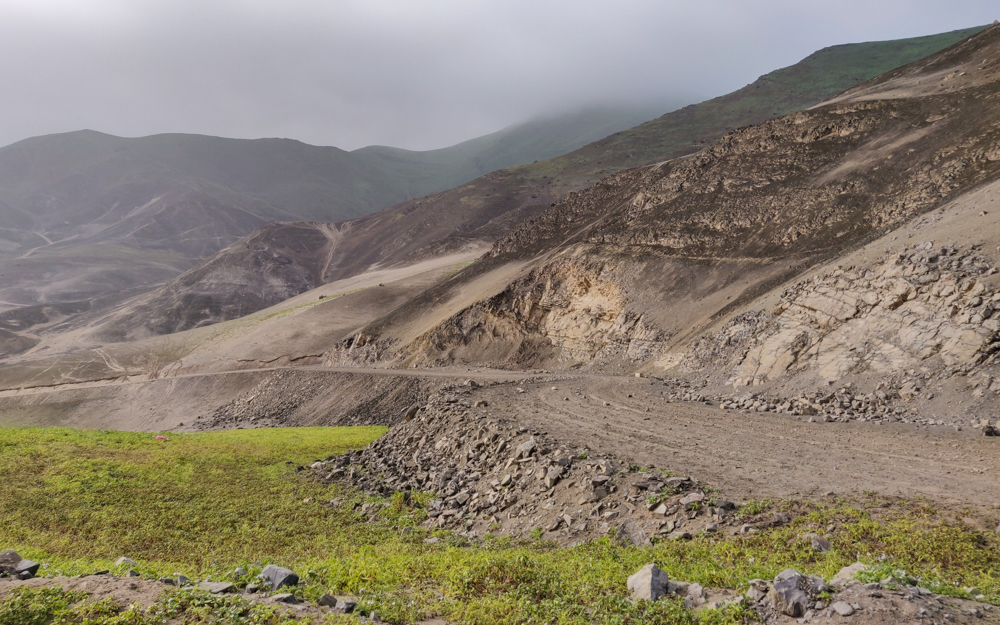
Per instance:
{"type": "Point", "coordinates": [201, 504]}
{"type": "Point", "coordinates": [193, 500]}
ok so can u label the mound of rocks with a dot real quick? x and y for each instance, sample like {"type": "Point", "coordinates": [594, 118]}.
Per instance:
{"type": "Point", "coordinates": [489, 474]}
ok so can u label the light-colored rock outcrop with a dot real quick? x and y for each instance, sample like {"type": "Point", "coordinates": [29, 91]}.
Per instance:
{"type": "Point", "coordinates": [922, 303]}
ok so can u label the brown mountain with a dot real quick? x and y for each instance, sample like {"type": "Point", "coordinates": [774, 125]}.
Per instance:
{"type": "Point", "coordinates": [477, 213]}
{"type": "Point", "coordinates": [783, 247]}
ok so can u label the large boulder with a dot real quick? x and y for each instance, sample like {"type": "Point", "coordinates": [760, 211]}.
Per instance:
{"type": "Point", "coordinates": [630, 533]}
{"type": "Point", "coordinates": [278, 576]}
{"type": "Point", "coordinates": [786, 596]}
{"type": "Point", "coordinates": [649, 583]}
{"type": "Point", "coordinates": [14, 565]}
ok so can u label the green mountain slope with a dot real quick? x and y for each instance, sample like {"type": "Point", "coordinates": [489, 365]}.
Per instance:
{"type": "Point", "coordinates": [817, 77]}
{"type": "Point", "coordinates": [519, 144]}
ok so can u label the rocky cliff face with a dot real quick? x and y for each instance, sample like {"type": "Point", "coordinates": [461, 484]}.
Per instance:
{"type": "Point", "coordinates": [922, 304]}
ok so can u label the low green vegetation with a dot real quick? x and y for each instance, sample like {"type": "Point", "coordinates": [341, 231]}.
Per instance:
{"type": "Point", "coordinates": [203, 504]}
{"type": "Point", "coordinates": [188, 500]}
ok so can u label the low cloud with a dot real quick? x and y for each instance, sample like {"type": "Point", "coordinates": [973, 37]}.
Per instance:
{"type": "Point", "coordinates": [411, 73]}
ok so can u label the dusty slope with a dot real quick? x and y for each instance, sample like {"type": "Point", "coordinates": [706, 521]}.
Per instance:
{"type": "Point", "coordinates": [625, 272]}
{"type": "Point", "coordinates": [274, 179]}
{"type": "Point", "coordinates": [297, 330]}
{"type": "Point", "coordinates": [275, 263]}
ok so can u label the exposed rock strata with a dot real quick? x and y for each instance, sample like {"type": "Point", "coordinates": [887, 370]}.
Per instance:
{"type": "Point", "coordinates": [930, 304]}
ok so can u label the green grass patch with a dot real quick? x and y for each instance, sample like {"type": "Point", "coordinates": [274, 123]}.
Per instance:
{"type": "Point", "coordinates": [201, 504]}
{"type": "Point", "coordinates": [194, 500]}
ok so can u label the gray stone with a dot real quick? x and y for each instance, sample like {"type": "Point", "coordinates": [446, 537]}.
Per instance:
{"type": "Point", "coordinates": [842, 608]}
{"type": "Point", "coordinates": [821, 544]}
{"type": "Point", "coordinates": [216, 588]}
{"type": "Point", "coordinates": [785, 595]}
{"type": "Point", "coordinates": [239, 572]}
{"type": "Point", "coordinates": [123, 561]}
{"type": "Point", "coordinates": [524, 449]}
{"type": "Point", "coordinates": [14, 565]}
{"type": "Point", "coordinates": [755, 595]}
{"type": "Point", "coordinates": [278, 576]}
{"type": "Point", "coordinates": [327, 601]}
{"type": "Point", "coordinates": [630, 532]}
{"type": "Point", "coordinates": [697, 592]}
{"type": "Point", "coordinates": [787, 574]}
{"type": "Point", "coordinates": [346, 605]}
{"type": "Point", "coordinates": [181, 580]}
{"type": "Point", "coordinates": [285, 597]}
{"type": "Point", "coordinates": [850, 572]}
{"type": "Point", "coordinates": [818, 583]}
{"type": "Point", "coordinates": [649, 583]}
{"type": "Point", "coordinates": [552, 476]}
{"type": "Point", "coordinates": [691, 498]}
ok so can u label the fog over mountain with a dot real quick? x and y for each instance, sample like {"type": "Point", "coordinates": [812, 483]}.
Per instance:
{"type": "Point", "coordinates": [418, 74]}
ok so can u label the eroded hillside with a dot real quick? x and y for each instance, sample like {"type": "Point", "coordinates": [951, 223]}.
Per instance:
{"type": "Point", "coordinates": [628, 273]}
{"type": "Point", "coordinates": [481, 211]}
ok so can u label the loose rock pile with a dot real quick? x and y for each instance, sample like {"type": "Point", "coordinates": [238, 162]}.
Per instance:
{"type": "Point", "coordinates": [810, 599]}
{"type": "Point", "coordinates": [488, 474]}
{"type": "Point", "coordinates": [269, 404]}
{"type": "Point", "coordinates": [890, 402]}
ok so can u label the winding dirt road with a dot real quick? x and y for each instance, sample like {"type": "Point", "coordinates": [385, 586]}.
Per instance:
{"type": "Point", "coordinates": [756, 455]}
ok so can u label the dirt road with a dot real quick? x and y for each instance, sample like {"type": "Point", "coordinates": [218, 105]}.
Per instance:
{"type": "Point", "coordinates": [757, 455]}
{"type": "Point", "coordinates": [754, 455]}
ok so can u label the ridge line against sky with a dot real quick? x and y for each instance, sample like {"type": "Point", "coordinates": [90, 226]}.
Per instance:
{"type": "Point", "coordinates": [414, 74]}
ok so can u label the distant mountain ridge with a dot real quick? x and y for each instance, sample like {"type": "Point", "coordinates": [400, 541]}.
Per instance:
{"type": "Point", "coordinates": [85, 213]}
{"type": "Point", "coordinates": [479, 212]}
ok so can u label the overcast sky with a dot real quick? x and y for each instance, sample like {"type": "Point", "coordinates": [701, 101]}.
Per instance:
{"type": "Point", "coordinates": [411, 73]}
